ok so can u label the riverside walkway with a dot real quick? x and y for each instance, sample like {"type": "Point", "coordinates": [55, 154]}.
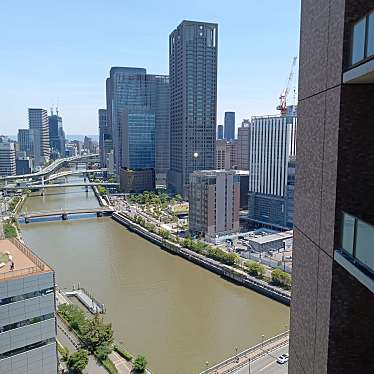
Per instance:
{"type": "Point", "coordinates": [232, 364]}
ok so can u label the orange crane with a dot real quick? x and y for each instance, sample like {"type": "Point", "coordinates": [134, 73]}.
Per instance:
{"type": "Point", "coordinates": [283, 97]}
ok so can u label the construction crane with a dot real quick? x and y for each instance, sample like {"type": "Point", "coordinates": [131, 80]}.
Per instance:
{"type": "Point", "coordinates": [283, 97]}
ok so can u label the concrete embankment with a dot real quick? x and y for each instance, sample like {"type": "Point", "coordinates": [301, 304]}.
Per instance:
{"type": "Point", "coordinates": [228, 272]}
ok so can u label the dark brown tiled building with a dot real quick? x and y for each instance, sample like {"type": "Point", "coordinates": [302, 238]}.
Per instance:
{"type": "Point", "coordinates": [332, 309]}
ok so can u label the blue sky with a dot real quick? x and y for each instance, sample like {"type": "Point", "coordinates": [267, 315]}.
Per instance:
{"type": "Point", "coordinates": [61, 52]}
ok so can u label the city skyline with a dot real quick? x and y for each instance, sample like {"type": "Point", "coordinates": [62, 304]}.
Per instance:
{"type": "Point", "coordinates": [74, 79]}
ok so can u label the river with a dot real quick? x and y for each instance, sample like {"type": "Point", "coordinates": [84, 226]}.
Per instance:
{"type": "Point", "coordinates": [177, 314]}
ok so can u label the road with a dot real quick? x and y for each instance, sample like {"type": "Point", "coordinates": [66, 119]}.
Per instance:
{"type": "Point", "coordinates": [267, 364]}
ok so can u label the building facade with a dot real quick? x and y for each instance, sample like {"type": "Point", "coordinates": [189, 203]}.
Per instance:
{"type": "Point", "coordinates": [193, 50]}
{"type": "Point", "coordinates": [272, 144]}
{"type": "Point", "coordinates": [56, 134]}
{"type": "Point", "coordinates": [229, 125]}
{"type": "Point", "coordinates": [29, 142]}
{"type": "Point", "coordinates": [23, 165]}
{"type": "Point", "coordinates": [220, 132]}
{"type": "Point", "coordinates": [214, 202]}
{"type": "Point", "coordinates": [27, 312]}
{"type": "Point", "coordinates": [243, 145]}
{"type": "Point", "coordinates": [38, 120]}
{"type": "Point", "coordinates": [158, 100]}
{"type": "Point", "coordinates": [138, 114]}
{"type": "Point", "coordinates": [137, 181]}
{"type": "Point", "coordinates": [226, 154]}
{"type": "Point", "coordinates": [105, 137]}
{"type": "Point", "coordinates": [7, 157]}
{"type": "Point", "coordinates": [333, 260]}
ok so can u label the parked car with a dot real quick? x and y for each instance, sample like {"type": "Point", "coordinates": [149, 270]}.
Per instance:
{"type": "Point", "coordinates": [282, 359]}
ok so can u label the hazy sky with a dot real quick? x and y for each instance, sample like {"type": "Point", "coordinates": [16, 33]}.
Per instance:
{"type": "Point", "coordinates": [60, 52]}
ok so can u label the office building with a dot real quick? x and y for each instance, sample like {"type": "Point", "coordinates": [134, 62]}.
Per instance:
{"type": "Point", "coordinates": [56, 134]}
{"type": "Point", "coordinates": [158, 99]}
{"type": "Point", "coordinates": [272, 145]}
{"type": "Point", "coordinates": [23, 165]}
{"type": "Point", "coordinates": [214, 203]}
{"type": "Point", "coordinates": [29, 142]}
{"type": "Point", "coordinates": [105, 137]}
{"type": "Point", "coordinates": [27, 312]}
{"type": "Point", "coordinates": [243, 145]}
{"type": "Point", "coordinates": [229, 125]}
{"type": "Point", "coordinates": [244, 184]}
{"type": "Point", "coordinates": [220, 132]}
{"type": "Point", "coordinates": [137, 181]}
{"type": "Point", "coordinates": [332, 303]}
{"type": "Point", "coordinates": [226, 154]}
{"type": "Point", "coordinates": [138, 104]}
{"type": "Point", "coordinates": [7, 157]}
{"type": "Point", "coordinates": [193, 50]}
{"type": "Point", "coordinates": [38, 120]}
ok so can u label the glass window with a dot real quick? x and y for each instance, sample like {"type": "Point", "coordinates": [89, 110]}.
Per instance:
{"type": "Point", "coordinates": [348, 233]}
{"type": "Point", "coordinates": [358, 41]}
{"type": "Point", "coordinates": [370, 45]}
{"type": "Point", "coordinates": [365, 243]}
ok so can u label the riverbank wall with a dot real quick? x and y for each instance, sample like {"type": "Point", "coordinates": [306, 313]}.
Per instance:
{"type": "Point", "coordinates": [227, 272]}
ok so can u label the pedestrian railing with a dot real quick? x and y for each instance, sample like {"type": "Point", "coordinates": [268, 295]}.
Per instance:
{"type": "Point", "coordinates": [241, 359]}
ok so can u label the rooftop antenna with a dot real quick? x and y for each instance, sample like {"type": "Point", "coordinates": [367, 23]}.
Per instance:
{"type": "Point", "coordinates": [57, 110]}
{"type": "Point", "coordinates": [52, 110]}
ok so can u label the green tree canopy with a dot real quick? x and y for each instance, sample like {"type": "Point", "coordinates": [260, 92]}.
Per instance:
{"type": "Point", "coordinates": [77, 361]}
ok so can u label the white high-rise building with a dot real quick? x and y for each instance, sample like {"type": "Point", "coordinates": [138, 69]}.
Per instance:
{"type": "Point", "coordinates": [27, 312]}
{"type": "Point", "coordinates": [7, 157]}
{"type": "Point", "coordinates": [272, 153]}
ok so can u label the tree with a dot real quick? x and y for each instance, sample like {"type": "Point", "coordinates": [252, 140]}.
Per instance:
{"type": "Point", "coordinates": [280, 278]}
{"type": "Point", "coordinates": [255, 268]}
{"type": "Point", "coordinates": [95, 333]}
{"type": "Point", "coordinates": [140, 364]}
{"type": "Point", "coordinates": [73, 315]}
{"type": "Point", "coordinates": [77, 361]}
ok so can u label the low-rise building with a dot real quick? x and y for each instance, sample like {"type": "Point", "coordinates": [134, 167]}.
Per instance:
{"type": "Point", "coordinates": [27, 312]}
{"type": "Point", "coordinates": [271, 242]}
{"type": "Point", "coordinates": [214, 202]}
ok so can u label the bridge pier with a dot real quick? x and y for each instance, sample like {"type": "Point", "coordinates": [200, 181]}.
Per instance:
{"type": "Point", "coordinates": [27, 220]}
{"type": "Point", "coordinates": [64, 216]}
{"type": "Point", "coordinates": [99, 214]}
{"type": "Point", "coordinates": [86, 188]}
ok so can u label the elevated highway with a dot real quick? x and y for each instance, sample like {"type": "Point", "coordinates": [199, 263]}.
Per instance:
{"type": "Point", "coordinates": [55, 165]}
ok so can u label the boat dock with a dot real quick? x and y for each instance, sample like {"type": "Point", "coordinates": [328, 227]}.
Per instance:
{"type": "Point", "coordinates": [87, 300]}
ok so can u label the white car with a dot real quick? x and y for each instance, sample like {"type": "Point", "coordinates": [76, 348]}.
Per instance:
{"type": "Point", "coordinates": [282, 359]}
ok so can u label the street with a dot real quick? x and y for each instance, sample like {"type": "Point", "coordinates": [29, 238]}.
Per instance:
{"type": "Point", "coordinates": [267, 364]}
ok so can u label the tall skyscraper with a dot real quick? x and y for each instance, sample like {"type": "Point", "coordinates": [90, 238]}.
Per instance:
{"type": "Point", "coordinates": [220, 132]}
{"type": "Point", "coordinates": [27, 312]}
{"type": "Point", "coordinates": [139, 107]}
{"type": "Point", "coordinates": [214, 205]}
{"type": "Point", "coordinates": [105, 138]}
{"type": "Point", "coordinates": [158, 99]}
{"type": "Point", "coordinates": [56, 133]}
{"type": "Point", "coordinates": [243, 145]}
{"type": "Point", "coordinates": [272, 146]}
{"type": "Point", "coordinates": [7, 157]}
{"type": "Point", "coordinates": [229, 125]}
{"type": "Point", "coordinates": [332, 324]}
{"type": "Point", "coordinates": [38, 120]}
{"type": "Point", "coordinates": [193, 50]}
{"type": "Point", "coordinates": [29, 142]}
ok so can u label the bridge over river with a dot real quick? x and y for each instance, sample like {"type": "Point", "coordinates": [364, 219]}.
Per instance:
{"type": "Point", "coordinates": [64, 213]}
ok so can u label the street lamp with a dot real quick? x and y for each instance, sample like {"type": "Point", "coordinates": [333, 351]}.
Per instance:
{"type": "Point", "coordinates": [207, 366]}
{"type": "Point", "coordinates": [262, 340]}
{"type": "Point", "coordinates": [236, 354]}
{"type": "Point", "coordinates": [249, 365]}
